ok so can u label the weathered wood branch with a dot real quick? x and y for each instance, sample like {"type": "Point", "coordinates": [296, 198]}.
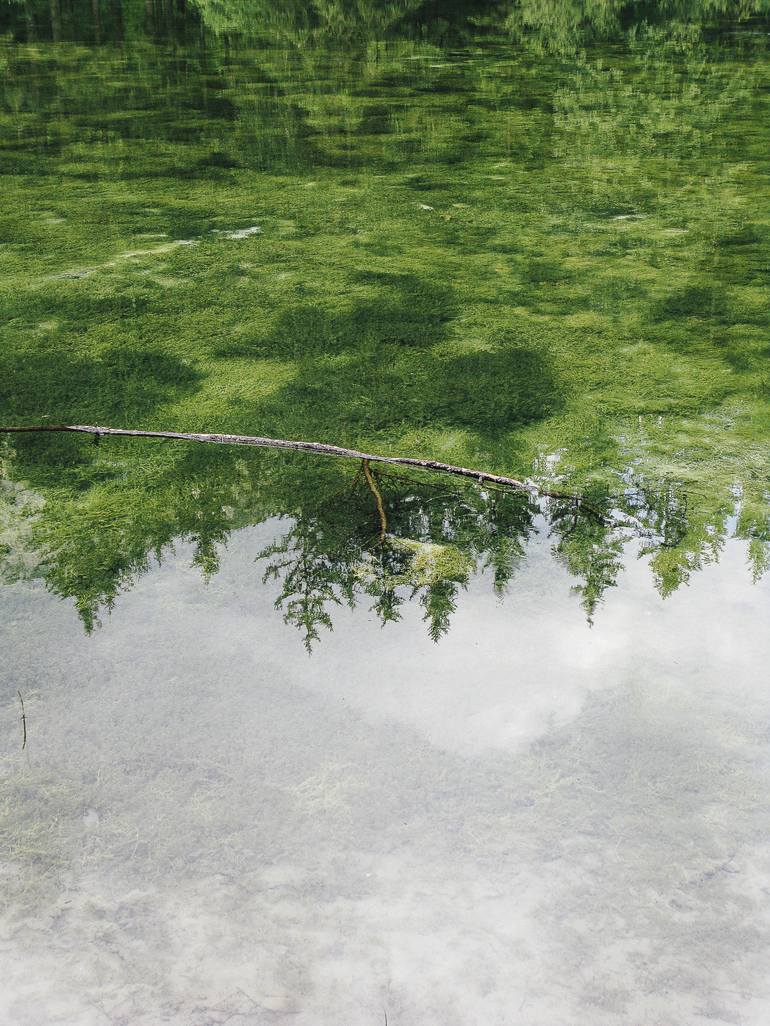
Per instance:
{"type": "Point", "coordinates": [320, 448]}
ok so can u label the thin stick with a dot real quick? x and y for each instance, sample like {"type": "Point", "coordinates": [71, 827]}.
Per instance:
{"type": "Point", "coordinates": [370, 480]}
{"type": "Point", "coordinates": [23, 722]}
{"type": "Point", "coordinates": [321, 448]}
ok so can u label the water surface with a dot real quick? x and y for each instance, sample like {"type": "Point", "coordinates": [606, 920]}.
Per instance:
{"type": "Point", "coordinates": [536, 821]}
{"type": "Point", "coordinates": [499, 759]}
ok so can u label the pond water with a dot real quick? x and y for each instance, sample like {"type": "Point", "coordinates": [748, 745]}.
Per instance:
{"type": "Point", "coordinates": [535, 821]}
{"type": "Point", "coordinates": [284, 743]}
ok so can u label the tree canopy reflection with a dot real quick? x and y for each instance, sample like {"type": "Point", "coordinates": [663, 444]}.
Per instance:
{"type": "Point", "coordinates": [328, 549]}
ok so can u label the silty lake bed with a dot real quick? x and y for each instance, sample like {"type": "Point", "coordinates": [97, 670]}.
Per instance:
{"type": "Point", "coordinates": [297, 746]}
{"type": "Point", "coordinates": [536, 821]}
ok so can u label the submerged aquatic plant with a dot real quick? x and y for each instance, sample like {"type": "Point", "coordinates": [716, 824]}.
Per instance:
{"type": "Point", "coordinates": [558, 248]}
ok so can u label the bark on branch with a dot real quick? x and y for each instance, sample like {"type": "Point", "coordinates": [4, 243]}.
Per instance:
{"type": "Point", "coordinates": [320, 448]}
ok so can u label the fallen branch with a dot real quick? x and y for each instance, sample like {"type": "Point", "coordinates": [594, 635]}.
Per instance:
{"type": "Point", "coordinates": [321, 448]}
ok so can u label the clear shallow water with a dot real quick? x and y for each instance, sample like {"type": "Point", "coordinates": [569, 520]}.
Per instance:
{"type": "Point", "coordinates": [524, 779]}
{"type": "Point", "coordinates": [488, 237]}
{"type": "Point", "coordinates": [534, 821]}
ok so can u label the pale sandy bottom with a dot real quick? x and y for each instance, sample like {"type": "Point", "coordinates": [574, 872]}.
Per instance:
{"type": "Point", "coordinates": [532, 823]}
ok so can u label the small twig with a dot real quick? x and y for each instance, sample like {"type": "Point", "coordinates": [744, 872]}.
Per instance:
{"type": "Point", "coordinates": [370, 480]}
{"type": "Point", "coordinates": [23, 722]}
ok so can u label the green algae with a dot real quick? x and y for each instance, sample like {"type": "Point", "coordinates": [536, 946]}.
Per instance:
{"type": "Point", "coordinates": [550, 239]}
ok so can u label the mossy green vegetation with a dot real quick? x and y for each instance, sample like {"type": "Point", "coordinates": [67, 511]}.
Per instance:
{"type": "Point", "coordinates": [541, 249]}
